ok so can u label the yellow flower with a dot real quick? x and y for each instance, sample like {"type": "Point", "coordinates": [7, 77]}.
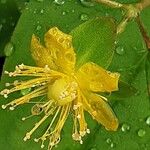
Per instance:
{"type": "Point", "coordinates": [66, 88]}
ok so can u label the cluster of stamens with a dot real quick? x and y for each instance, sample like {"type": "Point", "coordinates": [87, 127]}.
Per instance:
{"type": "Point", "coordinates": [49, 107]}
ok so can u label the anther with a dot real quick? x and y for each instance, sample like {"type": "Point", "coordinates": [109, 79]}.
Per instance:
{"type": "Point", "coordinates": [4, 106]}
{"type": "Point", "coordinates": [11, 108]}
{"type": "Point", "coordinates": [27, 137]}
{"type": "Point", "coordinates": [88, 131]}
{"type": "Point", "coordinates": [42, 146]}
{"type": "Point", "coordinates": [21, 66]}
{"type": "Point", "coordinates": [6, 72]}
{"type": "Point", "coordinates": [36, 140]}
{"type": "Point", "coordinates": [81, 142]}
{"type": "Point", "coordinates": [7, 84]}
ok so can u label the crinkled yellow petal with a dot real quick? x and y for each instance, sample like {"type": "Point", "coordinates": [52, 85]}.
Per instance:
{"type": "Point", "coordinates": [60, 45]}
{"type": "Point", "coordinates": [97, 79]}
{"type": "Point", "coordinates": [102, 112]}
{"type": "Point", "coordinates": [40, 54]}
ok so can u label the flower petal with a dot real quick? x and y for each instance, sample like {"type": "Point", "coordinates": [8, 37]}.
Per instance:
{"type": "Point", "coordinates": [60, 45]}
{"type": "Point", "coordinates": [102, 112]}
{"type": "Point", "coordinates": [40, 54]}
{"type": "Point", "coordinates": [97, 79]}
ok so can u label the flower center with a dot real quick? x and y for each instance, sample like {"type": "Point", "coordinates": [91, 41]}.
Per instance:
{"type": "Point", "coordinates": [63, 90]}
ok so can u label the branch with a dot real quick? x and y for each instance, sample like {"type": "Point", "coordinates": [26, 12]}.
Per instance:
{"type": "Point", "coordinates": [143, 32]}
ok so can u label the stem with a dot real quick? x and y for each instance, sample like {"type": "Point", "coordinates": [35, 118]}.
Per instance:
{"type": "Point", "coordinates": [143, 4]}
{"type": "Point", "coordinates": [110, 3]}
{"type": "Point", "coordinates": [143, 32]}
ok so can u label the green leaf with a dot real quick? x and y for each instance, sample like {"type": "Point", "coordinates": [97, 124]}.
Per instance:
{"type": "Point", "coordinates": [94, 41]}
{"type": "Point", "coordinates": [125, 90]}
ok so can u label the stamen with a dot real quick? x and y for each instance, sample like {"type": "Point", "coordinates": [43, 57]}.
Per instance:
{"type": "Point", "coordinates": [6, 72]}
{"type": "Point", "coordinates": [88, 131]}
{"type": "Point", "coordinates": [4, 106]}
{"type": "Point", "coordinates": [12, 108]}
{"type": "Point", "coordinates": [7, 84]}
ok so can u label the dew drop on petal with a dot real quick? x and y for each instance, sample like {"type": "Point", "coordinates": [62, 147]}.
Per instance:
{"type": "Point", "coordinates": [125, 127]}
{"type": "Point", "coordinates": [141, 132]}
{"type": "Point", "coordinates": [84, 17]}
{"type": "Point", "coordinates": [9, 48]}
{"type": "Point", "coordinates": [25, 91]}
{"type": "Point", "coordinates": [120, 50]}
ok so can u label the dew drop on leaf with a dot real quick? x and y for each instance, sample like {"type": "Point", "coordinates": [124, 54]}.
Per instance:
{"type": "Point", "coordinates": [141, 132]}
{"type": "Point", "coordinates": [35, 11]}
{"type": "Point", "coordinates": [38, 28]}
{"type": "Point", "coordinates": [59, 2]}
{"type": "Point", "coordinates": [108, 140]}
{"type": "Point", "coordinates": [42, 11]}
{"type": "Point", "coordinates": [137, 93]}
{"type": "Point", "coordinates": [64, 13]}
{"type": "Point", "coordinates": [9, 48]}
{"type": "Point", "coordinates": [148, 120]}
{"type": "Point", "coordinates": [84, 17]}
{"type": "Point", "coordinates": [87, 3]}
{"type": "Point", "coordinates": [25, 91]}
{"type": "Point", "coordinates": [120, 50]}
{"type": "Point", "coordinates": [72, 10]}
{"type": "Point", "coordinates": [112, 145]}
{"type": "Point", "coordinates": [125, 127]}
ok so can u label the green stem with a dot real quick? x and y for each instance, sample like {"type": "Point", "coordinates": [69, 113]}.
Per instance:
{"type": "Point", "coordinates": [110, 3]}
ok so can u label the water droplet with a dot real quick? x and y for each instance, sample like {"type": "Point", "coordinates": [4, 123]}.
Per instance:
{"type": "Point", "coordinates": [35, 11]}
{"type": "Point", "coordinates": [72, 10]}
{"type": "Point", "coordinates": [120, 50]}
{"type": "Point", "coordinates": [108, 140]}
{"type": "Point", "coordinates": [25, 91]}
{"type": "Point", "coordinates": [42, 11]}
{"type": "Point", "coordinates": [137, 93]}
{"type": "Point", "coordinates": [84, 17]}
{"type": "Point", "coordinates": [148, 120]}
{"type": "Point", "coordinates": [125, 127]}
{"type": "Point", "coordinates": [38, 28]}
{"type": "Point", "coordinates": [3, 1]}
{"type": "Point", "coordinates": [93, 148]}
{"type": "Point", "coordinates": [87, 3]}
{"type": "Point", "coordinates": [64, 13]}
{"type": "Point", "coordinates": [59, 2]}
{"type": "Point", "coordinates": [141, 132]}
{"type": "Point", "coordinates": [112, 145]}
{"type": "Point", "coordinates": [9, 48]}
